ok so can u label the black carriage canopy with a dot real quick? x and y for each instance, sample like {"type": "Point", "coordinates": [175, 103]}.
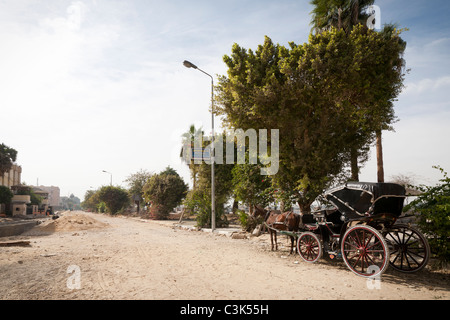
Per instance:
{"type": "Point", "coordinates": [356, 199]}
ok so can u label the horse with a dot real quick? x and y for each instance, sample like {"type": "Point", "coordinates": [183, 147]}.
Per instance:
{"type": "Point", "coordinates": [276, 220]}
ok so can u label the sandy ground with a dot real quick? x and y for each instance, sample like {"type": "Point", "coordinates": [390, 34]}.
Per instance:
{"type": "Point", "coordinates": [90, 256]}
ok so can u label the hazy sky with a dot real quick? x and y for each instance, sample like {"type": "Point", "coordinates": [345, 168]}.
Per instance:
{"type": "Point", "coordinates": [96, 85]}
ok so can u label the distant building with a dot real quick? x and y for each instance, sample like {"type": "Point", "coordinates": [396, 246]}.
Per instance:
{"type": "Point", "coordinates": [19, 203]}
{"type": "Point", "coordinates": [54, 195]}
{"type": "Point", "coordinates": [11, 178]}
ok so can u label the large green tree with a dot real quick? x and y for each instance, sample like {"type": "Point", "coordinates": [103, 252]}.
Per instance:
{"type": "Point", "coordinates": [345, 15]}
{"type": "Point", "coordinates": [260, 92]}
{"type": "Point", "coordinates": [326, 97]}
{"type": "Point", "coordinates": [136, 183]}
{"type": "Point", "coordinates": [115, 198]}
{"type": "Point", "coordinates": [165, 191]}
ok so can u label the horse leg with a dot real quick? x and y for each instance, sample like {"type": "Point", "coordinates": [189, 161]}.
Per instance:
{"type": "Point", "coordinates": [293, 245]}
{"type": "Point", "coordinates": [271, 237]}
{"type": "Point", "coordinates": [276, 241]}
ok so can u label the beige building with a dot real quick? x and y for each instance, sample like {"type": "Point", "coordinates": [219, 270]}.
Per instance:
{"type": "Point", "coordinates": [11, 178]}
{"type": "Point", "coordinates": [19, 203]}
{"type": "Point", "coordinates": [53, 195]}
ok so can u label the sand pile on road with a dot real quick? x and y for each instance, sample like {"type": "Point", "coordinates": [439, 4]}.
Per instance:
{"type": "Point", "coordinates": [72, 222]}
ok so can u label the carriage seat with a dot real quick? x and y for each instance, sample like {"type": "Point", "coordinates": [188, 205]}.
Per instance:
{"type": "Point", "coordinates": [308, 221]}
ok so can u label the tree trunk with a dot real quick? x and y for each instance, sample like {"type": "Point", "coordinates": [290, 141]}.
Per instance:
{"type": "Point", "coordinates": [380, 167]}
{"type": "Point", "coordinates": [339, 19]}
{"type": "Point", "coordinates": [181, 215]}
{"type": "Point", "coordinates": [354, 164]}
{"type": "Point", "coordinates": [235, 206]}
{"type": "Point", "coordinates": [305, 207]}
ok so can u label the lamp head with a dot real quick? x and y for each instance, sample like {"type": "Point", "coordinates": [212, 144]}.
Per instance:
{"type": "Point", "coordinates": [188, 64]}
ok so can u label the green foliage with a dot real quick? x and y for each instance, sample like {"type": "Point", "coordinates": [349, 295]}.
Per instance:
{"type": "Point", "coordinates": [433, 206]}
{"type": "Point", "coordinates": [165, 191]}
{"type": "Point", "coordinates": [326, 97]}
{"type": "Point", "coordinates": [34, 198]}
{"type": "Point", "coordinates": [101, 207]}
{"type": "Point", "coordinates": [188, 140]}
{"type": "Point", "coordinates": [169, 171]}
{"type": "Point", "coordinates": [114, 198]}
{"type": "Point", "coordinates": [137, 181]}
{"type": "Point", "coordinates": [340, 14]}
{"type": "Point", "coordinates": [5, 195]}
{"type": "Point", "coordinates": [7, 157]}
{"type": "Point", "coordinates": [250, 186]}
{"type": "Point", "coordinates": [91, 201]}
{"type": "Point", "coordinates": [199, 202]}
{"type": "Point", "coordinates": [71, 202]}
{"type": "Point", "coordinates": [347, 16]}
{"type": "Point", "coordinates": [259, 93]}
{"type": "Point", "coordinates": [106, 199]}
{"type": "Point", "coordinates": [248, 222]}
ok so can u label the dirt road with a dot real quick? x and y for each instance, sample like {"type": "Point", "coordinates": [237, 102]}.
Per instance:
{"type": "Point", "coordinates": [89, 256]}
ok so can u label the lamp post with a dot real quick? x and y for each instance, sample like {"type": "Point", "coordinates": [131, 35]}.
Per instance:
{"type": "Point", "coordinates": [110, 174]}
{"type": "Point", "coordinates": [188, 64]}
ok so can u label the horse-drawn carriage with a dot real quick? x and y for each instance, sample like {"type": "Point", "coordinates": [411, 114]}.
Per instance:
{"type": "Point", "coordinates": [362, 229]}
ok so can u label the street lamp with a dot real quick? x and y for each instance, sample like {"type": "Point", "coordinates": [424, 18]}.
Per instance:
{"type": "Point", "coordinates": [188, 64]}
{"type": "Point", "coordinates": [110, 174]}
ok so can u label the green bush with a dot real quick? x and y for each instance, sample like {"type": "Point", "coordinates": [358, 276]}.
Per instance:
{"type": "Point", "coordinates": [114, 198]}
{"type": "Point", "coordinates": [199, 202]}
{"type": "Point", "coordinates": [101, 207]}
{"type": "Point", "coordinates": [433, 207]}
{"type": "Point", "coordinates": [165, 191]}
{"type": "Point", "coordinates": [248, 222]}
{"type": "Point", "coordinates": [5, 197]}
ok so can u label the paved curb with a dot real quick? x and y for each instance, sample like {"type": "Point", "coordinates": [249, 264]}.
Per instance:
{"type": "Point", "coordinates": [17, 228]}
{"type": "Point", "coordinates": [220, 231]}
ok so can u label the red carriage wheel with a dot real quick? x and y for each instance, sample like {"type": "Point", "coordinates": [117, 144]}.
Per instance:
{"type": "Point", "coordinates": [309, 247]}
{"type": "Point", "coordinates": [365, 251]}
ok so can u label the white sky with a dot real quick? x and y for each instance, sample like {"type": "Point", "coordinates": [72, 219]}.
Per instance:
{"type": "Point", "coordinates": [96, 85]}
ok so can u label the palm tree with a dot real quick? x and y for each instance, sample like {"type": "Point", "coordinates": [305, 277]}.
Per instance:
{"type": "Point", "coordinates": [188, 139]}
{"type": "Point", "coordinates": [340, 14]}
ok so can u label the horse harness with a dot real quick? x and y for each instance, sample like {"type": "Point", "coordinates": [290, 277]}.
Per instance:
{"type": "Point", "coordinates": [283, 223]}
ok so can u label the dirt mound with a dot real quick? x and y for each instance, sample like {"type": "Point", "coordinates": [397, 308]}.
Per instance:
{"type": "Point", "coordinates": [72, 222]}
